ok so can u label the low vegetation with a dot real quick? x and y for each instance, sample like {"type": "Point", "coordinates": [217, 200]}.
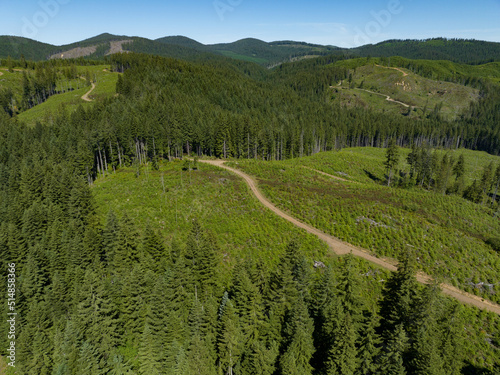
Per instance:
{"type": "Point", "coordinates": [448, 233]}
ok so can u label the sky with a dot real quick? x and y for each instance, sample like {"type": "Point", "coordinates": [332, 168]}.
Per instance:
{"type": "Point", "coordinates": [328, 22]}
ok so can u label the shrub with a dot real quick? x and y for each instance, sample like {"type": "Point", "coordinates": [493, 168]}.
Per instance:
{"type": "Point", "coordinates": [494, 242]}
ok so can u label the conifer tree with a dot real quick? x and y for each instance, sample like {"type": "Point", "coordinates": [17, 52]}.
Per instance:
{"type": "Point", "coordinates": [199, 356]}
{"type": "Point", "coordinates": [342, 354]}
{"type": "Point", "coordinates": [368, 350]}
{"type": "Point", "coordinates": [496, 183]}
{"type": "Point", "coordinates": [299, 345]}
{"type": "Point", "coordinates": [452, 339]}
{"type": "Point", "coordinates": [391, 360]}
{"type": "Point", "coordinates": [148, 353]}
{"type": "Point", "coordinates": [229, 339]}
{"type": "Point", "coordinates": [487, 178]}
{"type": "Point", "coordinates": [400, 296]}
{"type": "Point", "coordinates": [88, 360]}
{"type": "Point", "coordinates": [260, 358]}
{"type": "Point", "coordinates": [392, 158]}
{"type": "Point", "coordinates": [110, 237]}
{"type": "Point", "coordinates": [154, 248]}
{"type": "Point", "coordinates": [349, 290]}
{"type": "Point", "coordinates": [425, 351]}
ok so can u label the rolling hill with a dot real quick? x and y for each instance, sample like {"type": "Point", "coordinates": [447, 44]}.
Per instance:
{"type": "Point", "coordinates": [254, 50]}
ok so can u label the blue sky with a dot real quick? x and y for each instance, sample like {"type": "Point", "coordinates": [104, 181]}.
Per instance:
{"type": "Point", "coordinates": [332, 22]}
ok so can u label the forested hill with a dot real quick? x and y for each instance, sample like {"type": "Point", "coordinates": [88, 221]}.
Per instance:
{"type": "Point", "coordinates": [258, 51]}
{"type": "Point", "coordinates": [456, 50]}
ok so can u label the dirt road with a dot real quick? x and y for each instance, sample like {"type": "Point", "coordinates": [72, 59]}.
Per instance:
{"type": "Point", "coordinates": [331, 175]}
{"type": "Point", "coordinates": [387, 97]}
{"type": "Point", "coordinates": [86, 96]}
{"type": "Point", "coordinates": [398, 69]}
{"type": "Point", "coordinates": [339, 247]}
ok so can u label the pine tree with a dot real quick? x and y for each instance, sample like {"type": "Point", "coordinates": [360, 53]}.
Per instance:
{"type": "Point", "coordinates": [400, 296]}
{"type": "Point", "coordinates": [342, 354]}
{"type": "Point", "coordinates": [487, 179]}
{"type": "Point", "coordinates": [110, 237]}
{"type": "Point", "coordinates": [368, 346]}
{"type": "Point", "coordinates": [126, 252]}
{"type": "Point", "coordinates": [426, 359]}
{"type": "Point", "coordinates": [148, 353]}
{"type": "Point", "coordinates": [391, 360]}
{"type": "Point", "coordinates": [199, 354]}
{"type": "Point", "coordinates": [496, 183]}
{"type": "Point", "coordinates": [349, 290]}
{"type": "Point", "coordinates": [154, 248]}
{"type": "Point", "coordinates": [299, 341]}
{"type": "Point", "coordinates": [412, 160]}
{"type": "Point", "coordinates": [392, 158]}
{"type": "Point", "coordinates": [459, 167]}
{"type": "Point", "coordinates": [230, 338]}
{"type": "Point", "coordinates": [474, 192]}
{"type": "Point", "coordinates": [88, 361]}
{"type": "Point", "coordinates": [452, 339]}
{"type": "Point", "coordinates": [118, 366]}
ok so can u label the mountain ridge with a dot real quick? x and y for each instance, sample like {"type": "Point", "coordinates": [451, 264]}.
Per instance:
{"type": "Point", "coordinates": [468, 51]}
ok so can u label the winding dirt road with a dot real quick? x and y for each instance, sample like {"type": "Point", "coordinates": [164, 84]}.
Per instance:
{"type": "Point", "coordinates": [389, 67]}
{"type": "Point", "coordinates": [86, 95]}
{"type": "Point", "coordinates": [339, 247]}
{"type": "Point", "coordinates": [387, 97]}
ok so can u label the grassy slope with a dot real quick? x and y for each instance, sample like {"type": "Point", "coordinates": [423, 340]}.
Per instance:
{"type": "Point", "coordinates": [219, 200]}
{"type": "Point", "coordinates": [105, 87]}
{"type": "Point", "coordinates": [244, 229]}
{"type": "Point", "coordinates": [413, 90]}
{"type": "Point", "coordinates": [447, 232]}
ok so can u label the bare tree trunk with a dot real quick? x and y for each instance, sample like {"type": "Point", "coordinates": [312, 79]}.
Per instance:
{"type": "Point", "coordinates": [119, 155]}
{"type": "Point", "coordinates": [102, 165]}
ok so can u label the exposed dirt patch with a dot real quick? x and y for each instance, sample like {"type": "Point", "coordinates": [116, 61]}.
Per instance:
{"type": "Point", "coordinates": [86, 95]}
{"type": "Point", "coordinates": [339, 247]}
{"type": "Point", "coordinates": [400, 70]}
{"type": "Point", "coordinates": [75, 53]}
{"type": "Point", "coordinates": [117, 47]}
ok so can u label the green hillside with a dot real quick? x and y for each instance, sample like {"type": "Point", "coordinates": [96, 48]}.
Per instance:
{"type": "Point", "coordinates": [448, 233]}
{"type": "Point", "coordinates": [67, 91]}
{"type": "Point", "coordinates": [263, 53]}
{"type": "Point", "coordinates": [16, 47]}
{"type": "Point", "coordinates": [456, 50]}
{"type": "Point", "coordinates": [401, 91]}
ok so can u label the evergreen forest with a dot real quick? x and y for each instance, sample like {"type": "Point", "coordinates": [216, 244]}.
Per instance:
{"type": "Point", "coordinates": [104, 290]}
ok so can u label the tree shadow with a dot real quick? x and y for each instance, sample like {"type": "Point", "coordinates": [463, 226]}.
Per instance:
{"type": "Point", "coordinates": [471, 369]}
{"type": "Point", "coordinates": [372, 176]}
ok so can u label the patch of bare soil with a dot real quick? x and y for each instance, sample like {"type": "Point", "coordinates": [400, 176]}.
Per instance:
{"type": "Point", "coordinates": [86, 95]}
{"type": "Point", "coordinates": [75, 53]}
{"type": "Point", "coordinates": [117, 47]}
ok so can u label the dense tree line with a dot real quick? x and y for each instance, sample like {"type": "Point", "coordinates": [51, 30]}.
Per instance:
{"type": "Point", "coordinates": [442, 173]}
{"type": "Point", "coordinates": [468, 51]}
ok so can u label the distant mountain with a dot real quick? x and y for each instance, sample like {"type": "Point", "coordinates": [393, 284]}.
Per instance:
{"type": "Point", "coordinates": [32, 50]}
{"type": "Point", "coordinates": [183, 41]}
{"type": "Point", "coordinates": [252, 50]}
